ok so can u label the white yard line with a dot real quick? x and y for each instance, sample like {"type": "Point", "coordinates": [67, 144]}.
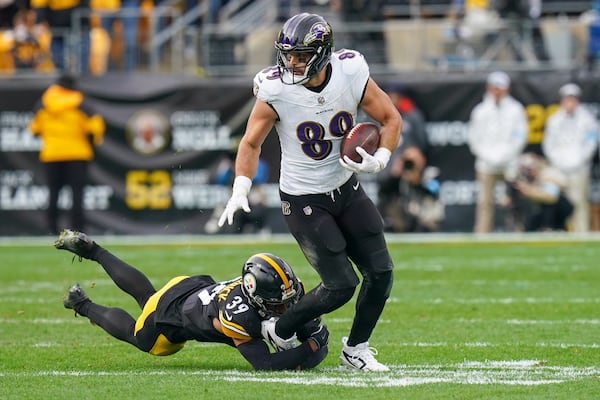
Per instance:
{"type": "Point", "coordinates": [556, 345]}
{"type": "Point", "coordinates": [509, 372]}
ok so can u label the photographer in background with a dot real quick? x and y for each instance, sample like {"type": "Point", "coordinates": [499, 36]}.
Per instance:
{"type": "Point", "coordinates": [412, 202]}
{"type": "Point", "coordinates": [408, 187]}
{"type": "Point", "coordinates": [543, 186]}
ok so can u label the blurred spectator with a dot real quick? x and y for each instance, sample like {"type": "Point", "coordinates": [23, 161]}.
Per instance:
{"type": "Point", "coordinates": [592, 19]}
{"type": "Point", "coordinates": [100, 46]}
{"type": "Point", "coordinates": [26, 45]}
{"type": "Point", "coordinates": [129, 23]}
{"type": "Point", "coordinates": [144, 33]}
{"type": "Point", "coordinates": [473, 19]}
{"type": "Point", "coordinates": [497, 136]}
{"type": "Point", "coordinates": [32, 43]}
{"type": "Point", "coordinates": [523, 16]}
{"type": "Point", "coordinates": [569, 144]}
{"type": "Point", "coordinates": [64, 121]}
{"type": "Point", "coordinates": [106, 11]}
{"type": "Point", "coordinates": [7, 44]}
{"type": "Point", "coordinates": [119, 18]}
{"type": "Point", "coordinates": [58, 16]}
{"type": "Point", "coordinates": [544, 187]}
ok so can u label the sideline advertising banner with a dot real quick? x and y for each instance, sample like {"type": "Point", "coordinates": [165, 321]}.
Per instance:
{"type": "Point", "coordinates": [167, 136]}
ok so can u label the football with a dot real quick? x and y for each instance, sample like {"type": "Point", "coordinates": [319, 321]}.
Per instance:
{"type": "Point", "coordinates": [365, 135]}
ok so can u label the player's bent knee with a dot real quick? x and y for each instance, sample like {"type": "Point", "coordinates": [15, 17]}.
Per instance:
{"type": "Point", "coordinates": [381, 284]}
{"type": "Point", "coordinates": [334, 299]}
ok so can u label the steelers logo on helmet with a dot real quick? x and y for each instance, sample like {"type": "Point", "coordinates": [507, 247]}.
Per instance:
{"type": "Point", "coordinates": [249, 283]}
{"type": "Point", "coordinates": [269, 284]}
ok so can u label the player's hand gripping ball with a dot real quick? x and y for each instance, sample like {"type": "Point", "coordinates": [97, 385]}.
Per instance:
{"type": "Point", "coordinates": [365, 135]}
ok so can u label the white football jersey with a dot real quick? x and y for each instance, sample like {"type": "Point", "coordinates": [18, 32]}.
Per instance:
{"type": "Point", "coordinates": [311, 125]}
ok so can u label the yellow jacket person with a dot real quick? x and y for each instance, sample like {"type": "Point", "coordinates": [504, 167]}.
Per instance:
{"type": "Point", "coordinates": [68, 129]}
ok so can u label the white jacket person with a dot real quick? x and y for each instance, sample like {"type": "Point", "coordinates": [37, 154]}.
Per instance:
{"type": "Point", "coordinates": [497, 134]}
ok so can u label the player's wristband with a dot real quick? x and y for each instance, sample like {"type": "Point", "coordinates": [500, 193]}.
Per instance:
{"type": "Point", "coordinates": [383, 155]}
{"type": "Point", "coordinates": [242, 185]}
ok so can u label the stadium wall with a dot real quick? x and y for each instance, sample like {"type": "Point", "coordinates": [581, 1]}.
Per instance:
{"type": "Point", "coordinates": [166, 136]}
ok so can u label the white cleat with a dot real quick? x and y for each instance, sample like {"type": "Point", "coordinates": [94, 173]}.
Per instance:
{"type": "Point", "coordinates": [278, 343]}
{"type": "Point", "coordinates": [361, 357]}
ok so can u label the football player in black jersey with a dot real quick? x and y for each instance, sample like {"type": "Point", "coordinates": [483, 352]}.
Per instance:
{"type": "Point", "coordinates": [199, 308]}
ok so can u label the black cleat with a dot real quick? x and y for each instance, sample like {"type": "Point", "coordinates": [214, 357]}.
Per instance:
{"type": "Point", "coordinates": [77, 243]}
{"type": "Point", "coordinates": [75, 297]}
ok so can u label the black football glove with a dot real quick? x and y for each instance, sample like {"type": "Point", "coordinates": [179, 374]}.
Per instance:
{"type": "Point", "coordinates": [307, 329]}
{"type": "Point", "coordinates": [320, 336]}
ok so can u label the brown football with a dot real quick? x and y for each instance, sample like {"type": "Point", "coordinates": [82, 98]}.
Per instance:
{"type": "Point", "coordinates": [365, 135]}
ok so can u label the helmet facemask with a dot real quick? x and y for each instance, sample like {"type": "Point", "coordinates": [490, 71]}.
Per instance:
{"type": "Point", "coordinates": [269, 284]}
{"type": "Point", "coordinates": [287, 73]}
{"type": "Point", "coordinates": [304, 34]}
{"type": "Point", "coordinates": [268, 309]}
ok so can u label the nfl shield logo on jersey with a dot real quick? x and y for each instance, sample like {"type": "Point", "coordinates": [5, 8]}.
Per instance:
{"type": "Point", "coordinates": [307, 210]}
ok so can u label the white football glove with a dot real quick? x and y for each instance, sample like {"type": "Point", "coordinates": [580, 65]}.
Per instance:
{"type": "Point", "coordinates": [267, 329]}
{"type": "Point", "coordinates": [370, 163]}
{"type": "Point", "coordinates": [237, 201]}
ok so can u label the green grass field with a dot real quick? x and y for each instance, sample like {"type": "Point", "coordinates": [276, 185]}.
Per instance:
{"type": "Point", "coordinates": [467, 319]}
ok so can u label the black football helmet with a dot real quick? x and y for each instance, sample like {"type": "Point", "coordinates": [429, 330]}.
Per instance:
{"type": "Point", "coordinates": [270, 284]}
{"type": "Point", "coordinates": [304, 33]}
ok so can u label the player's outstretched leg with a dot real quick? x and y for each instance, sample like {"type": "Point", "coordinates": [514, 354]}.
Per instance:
{"type": "Point", "coordinates": [115, 321]}
{"type": "Point", "coordinates": [75, 297]}
{"type": "Point", "coordinates": [77, 243]}
{"type": "Point", "coordinates": [129, 279]}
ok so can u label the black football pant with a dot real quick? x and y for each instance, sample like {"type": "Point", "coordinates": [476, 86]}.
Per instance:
{"type": "Point", "coordinates": [332, 230]}
{"type": "Point", "coordinates": [115, 321]}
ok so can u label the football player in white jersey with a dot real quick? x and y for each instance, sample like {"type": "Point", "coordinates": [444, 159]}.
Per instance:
{"type": "Point", "coordinates": [311, 97]}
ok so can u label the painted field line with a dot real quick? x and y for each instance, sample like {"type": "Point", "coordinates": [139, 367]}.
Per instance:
{"type": "Point", "coordinates": [510, 372]}
{"type": "Point", "coordinates": [396, 344]}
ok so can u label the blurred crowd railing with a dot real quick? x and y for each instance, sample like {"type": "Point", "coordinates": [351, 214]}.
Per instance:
{"type": "Point", "coordinates": [414, 36]}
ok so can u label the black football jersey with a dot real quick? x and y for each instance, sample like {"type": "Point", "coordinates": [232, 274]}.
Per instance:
{"type": "Point", "coordinates": [225, 301]}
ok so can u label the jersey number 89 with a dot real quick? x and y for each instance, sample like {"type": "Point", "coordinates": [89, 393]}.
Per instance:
{"type": "Point", "coordinates": [312, 134]}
